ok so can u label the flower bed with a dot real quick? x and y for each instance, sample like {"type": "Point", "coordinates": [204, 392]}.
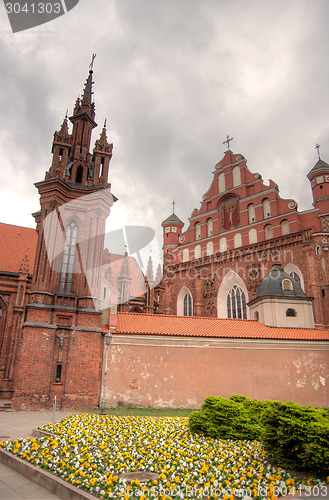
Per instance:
{"type": "Point", "coordinates": [92, 451]}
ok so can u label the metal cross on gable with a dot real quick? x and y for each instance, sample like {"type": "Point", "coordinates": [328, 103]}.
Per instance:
{"type": "Point", "coordinates": [317, 147]}
{"type": "Point", "coordinates": [228, 140]}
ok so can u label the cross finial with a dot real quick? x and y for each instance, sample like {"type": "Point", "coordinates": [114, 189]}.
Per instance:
{"type": "Point", "coordinates": [105, 123]}
{"type": "Point", "coordinates": [228, 140]}
{"type": "Point", "coordinates": [66, 114]}
{"type": "Point", "coordinates": [317, 147]}
{"type": "Point", "coordinates": [173, 207]}
{"type": "Point", "coordinates": [91, 65]}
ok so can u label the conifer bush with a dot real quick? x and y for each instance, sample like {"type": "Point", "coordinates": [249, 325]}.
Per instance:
{"type": "Point", "coordinates": [297, 436]}
{"type": "Point", "coordinates": [224, 419]}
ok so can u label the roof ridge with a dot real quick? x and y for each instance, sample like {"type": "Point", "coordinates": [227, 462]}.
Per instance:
{"type": "Point", "coordinates": [15, 225]}
{"type": "Point", "coordinates": [207, 318]}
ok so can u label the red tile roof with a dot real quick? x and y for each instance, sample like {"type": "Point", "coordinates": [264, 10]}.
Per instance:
{"type": "Point", "coordinates": [15, 242]}
{"type": "Point", "coordinates": [182, 326]}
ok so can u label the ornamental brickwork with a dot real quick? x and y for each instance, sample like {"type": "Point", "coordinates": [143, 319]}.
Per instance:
{"type": "Point", "coordinates": [242, 227]}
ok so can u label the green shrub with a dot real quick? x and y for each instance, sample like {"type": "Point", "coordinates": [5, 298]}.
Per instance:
{"type": "Point", "coordinates": [224, 419]}
{"type": "Point", "coordinates": [297, 436]}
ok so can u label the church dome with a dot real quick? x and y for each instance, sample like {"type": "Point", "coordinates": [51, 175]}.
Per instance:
{"type": "Point", "coordinates": [320, 166]}
{"type": "Point", "coordinates": [280, 284]}
{"type": "Point", "coordinates": [172, 219]}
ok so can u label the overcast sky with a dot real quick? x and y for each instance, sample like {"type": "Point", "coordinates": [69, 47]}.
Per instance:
{"type": "Point", "coordinates": [173, 78]}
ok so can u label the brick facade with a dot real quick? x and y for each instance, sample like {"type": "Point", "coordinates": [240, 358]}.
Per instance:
{"type": "Point", "coordinates": [51, 340]}
{"type": "Point", "coordinates": [241, 228]}
{"type": "Point", "coordinates": [60, 346]}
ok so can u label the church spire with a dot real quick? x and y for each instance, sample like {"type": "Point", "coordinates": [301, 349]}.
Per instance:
{"type": "Point", "coordinates": [87, 105]}
{"type": "Point", "coordinates": [149, 271]}
{"type": "Point", "coordinates": [64, 131]}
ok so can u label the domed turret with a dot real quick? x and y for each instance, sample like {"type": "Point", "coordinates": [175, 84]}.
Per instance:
{"type": "Point", "coordinates": [279, 284]}
{"type": "Point", "coordinates": [319, 178]}
{"type": "Point", "coordinates": [280, 301]}
{"type": "Point", "coordinates": [172, 230]}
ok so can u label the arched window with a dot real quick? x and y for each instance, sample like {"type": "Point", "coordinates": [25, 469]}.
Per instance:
{"type": "Point", "coordinates": [78, 178]}
{"type": "Point", "coordinates": [318, 250]}
{"type": "Point", "coordinates": [236, 176]}
{"type": "Point", "coordinates": [187, 305]}
{"type": "Point", "coordinates": [197, 252]}
{"type": "Point", "coordinates": [251, 212]}
{"type": "Point", "coordinates": [221, 182]}
{"type": "Point", "coordinates": [184, 302]}
{"type": "Point", "coordinates": [210, 248]}
{"type": "Point", "coordinates": [58, 374]}
{"type": "Point", "coordinates": [237, 240]}
{"type": "Point", "coordinates": [291, 312]}
{"type": "Point", "coordinates": [256, 316]}
{"type": "Point", "coordinates": [252, 236]}
{"type": "Point", "coordinates": [268, 232]}
{"type": "Point", "coordinates": [284, 227]}
{"type": "Point", "coordinates": [295, 273]}
{"type": "Point", "coordinates": [266, 208]}
{"type": "Point", "coordinates": [68, 257]}
{"type": "Point", "coordinates": [223, 245]}
{"type": "Point", "coordinates": [209, 227]}
{"type": "Point", "coordinates": [198, 231]}
{"type": "Point", "coordinates": [236, 303]}
{"type": "Point", "coordinates": [186, 255]}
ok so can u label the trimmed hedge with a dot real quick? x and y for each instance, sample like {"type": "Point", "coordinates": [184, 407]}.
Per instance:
{"type": "Point", "coordinates": [297, 436]}
{"type": "Point", "coordinates": [294, 436]}
{"type": "Point", "coordinates": [224, 419]}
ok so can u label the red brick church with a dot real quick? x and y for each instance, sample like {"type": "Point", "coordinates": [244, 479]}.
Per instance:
{"type": "Point", "coordinates": [242, 227]}
{"type": "Point", "coordinates": [247, 254]}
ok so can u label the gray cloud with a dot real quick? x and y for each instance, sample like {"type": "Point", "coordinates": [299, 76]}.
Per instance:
{"type": "Point", "coordinates": [173, 79]}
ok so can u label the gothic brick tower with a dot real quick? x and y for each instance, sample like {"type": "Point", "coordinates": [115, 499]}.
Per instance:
{"type": "Point", "coordinates": [60, 350]}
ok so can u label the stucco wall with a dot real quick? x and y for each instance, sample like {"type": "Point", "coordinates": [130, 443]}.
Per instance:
{"type": "Point", "coordinates": [182, 372]}
{"type": "Point", "coordinates": [272, 312]}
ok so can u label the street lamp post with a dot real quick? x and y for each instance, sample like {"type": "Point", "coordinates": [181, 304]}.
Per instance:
{"type": "Point", "coordinates": [108, 340]}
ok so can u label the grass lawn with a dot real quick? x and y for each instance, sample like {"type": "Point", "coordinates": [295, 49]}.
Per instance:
{"type": "Point", "coordinates": [146, 412]}
{"type": "Point", "coordinates": [94, 452]}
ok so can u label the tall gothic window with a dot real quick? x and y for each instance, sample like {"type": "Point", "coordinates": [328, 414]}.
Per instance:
{"type": "Point", "coordinates": [236, 176]}
{"type": "Point", "coordinates": [266, 208]}
{"type": "Point", "coordinates": [79, 174]}
{"type": "Point", "coordinates": [198, 231]}
{"type": "Point", "coordinates": [186, 255]}
{"type": "Point", "coordinates": [236, 303]}
{"type": "Point", "coordinates": [68, 257]}
{"type": "Point", "coordinates": [221, 182]}
{"type": "Point", "coordinates": [284, 227]}
{"type": "Point", "coordinates": [209, 227]}
{"type": "Point", "coordinates": [251, 213]}
{"type": "Point", "coordinates": [187, 305]}
{"type": "Point", "coordinates": [268, 231]}
{"type": "Point", "coordinates": [223, 245]}
{"type": "Point", "coordinates": [197, 252]}
{"type": "Point", "coordinates": [210, 248]}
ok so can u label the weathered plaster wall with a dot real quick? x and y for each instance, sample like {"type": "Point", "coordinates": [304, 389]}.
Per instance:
{"type": "Point", "coordinates": [181, 372]}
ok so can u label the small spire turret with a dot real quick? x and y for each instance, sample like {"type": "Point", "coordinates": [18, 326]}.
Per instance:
{"type": "Point", "coordinates": [149, 271]}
